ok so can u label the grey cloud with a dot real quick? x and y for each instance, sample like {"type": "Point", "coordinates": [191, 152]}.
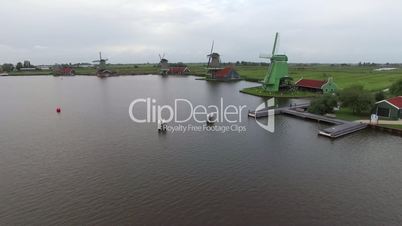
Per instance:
{"type": "Point", "coordinates": [136, 31]}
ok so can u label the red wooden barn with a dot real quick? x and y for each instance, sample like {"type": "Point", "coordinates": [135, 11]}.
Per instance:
{"type": "Point", "coordinates": [178, 70]}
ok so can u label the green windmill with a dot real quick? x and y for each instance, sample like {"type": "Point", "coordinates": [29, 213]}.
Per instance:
{"type": "Point", "coordinates": [277, 75]}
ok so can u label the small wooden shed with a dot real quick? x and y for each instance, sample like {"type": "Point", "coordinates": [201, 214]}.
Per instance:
{"type": "Point", "coordinates": [312, 85]}
{"type": "Point", "coordinates": [390, 108]}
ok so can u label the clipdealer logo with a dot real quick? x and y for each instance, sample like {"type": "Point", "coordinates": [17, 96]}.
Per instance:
{"type": "Point", "coordinates": [268, 107]}
{"type": "Point", "coordinates": [205, 117]}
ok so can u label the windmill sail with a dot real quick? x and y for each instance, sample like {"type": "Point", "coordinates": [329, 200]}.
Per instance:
{"type": "Point", "coordinates": [275, 44]}
{"type": "Point", "coordinates": [210, 55]}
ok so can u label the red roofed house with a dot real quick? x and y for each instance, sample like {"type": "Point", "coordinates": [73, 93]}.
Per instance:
{"type": "Point", "coordinates": [226, 73]}
{"type": "Point", "coordinates": [178, 70]}
{"type": "Point", "coordinates": [390, 108]}
{"type": "Point", "coordinates": [311, 85]}
{"type": "Point", "coordinates": [60, 70]}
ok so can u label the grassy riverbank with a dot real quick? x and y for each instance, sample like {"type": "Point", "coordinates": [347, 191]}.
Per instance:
{"type": "Point", "coordinates": [392, 126]}
{"type": "Point", "coordinates": [348, 115]}
{"type": "Point", "coordinates": [343, 76]}
{"type": "Point", "coordinates": [259, 91]}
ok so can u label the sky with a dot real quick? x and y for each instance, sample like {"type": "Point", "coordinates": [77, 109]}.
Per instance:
{"type": "Point", "coordinates": [136, 31]}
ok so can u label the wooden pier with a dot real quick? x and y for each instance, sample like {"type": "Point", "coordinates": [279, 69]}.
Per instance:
{"type": "Point", "coordinates": [339, 128]}
{"type": "Point", "coordinates": [265, 112]}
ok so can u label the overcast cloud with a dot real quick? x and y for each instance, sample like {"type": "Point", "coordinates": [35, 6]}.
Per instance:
{"type": "Point", "coordinates": [59, 31]}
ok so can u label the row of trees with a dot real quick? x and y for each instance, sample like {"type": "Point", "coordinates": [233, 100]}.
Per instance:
{"type": "Point", "coordinates": [7, 67]}
{"type": "Point", "coordinates": [364, 64]}
{"type": "Point", "coordinates": [246, 63]}
{"type": "Point", "coordinates": [354, 97]}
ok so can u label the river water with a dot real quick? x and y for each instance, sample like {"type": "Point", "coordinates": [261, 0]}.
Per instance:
{"type": "Point", "coordinates": [93, 165]}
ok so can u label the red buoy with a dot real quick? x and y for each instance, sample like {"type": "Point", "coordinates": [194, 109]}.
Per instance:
{"type": "Point", "coordinates": [58, 110]}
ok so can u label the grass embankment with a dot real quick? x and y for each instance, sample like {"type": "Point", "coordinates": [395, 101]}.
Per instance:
{"type": "Point", "coordinates": [30, 73]}
{"type": "Point", "coordinates": [348, 115]}
{"type": "Point", "coordinates": [120, 69]}
{"type": "Point", "coordinates": [392, 126]}
{"type": "Point", "coordinates": [259, 91]}
{"type": "Point", "coordinates": [343, 76]}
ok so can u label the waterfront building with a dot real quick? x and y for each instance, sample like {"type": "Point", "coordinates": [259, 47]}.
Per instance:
{"type": "Point", "coordinates": [390, 108]}
{"type": "Point", "coordinates": [311, 85]}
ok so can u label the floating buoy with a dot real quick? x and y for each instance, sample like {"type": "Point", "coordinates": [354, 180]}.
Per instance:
{"type": "Point", "coordinates": [58, 110]}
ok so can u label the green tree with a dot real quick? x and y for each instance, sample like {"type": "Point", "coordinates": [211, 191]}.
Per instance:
{"type": "Point", "coordinates": [324, 104]}
{"type": "Point", "coordinates": [357, 99]}
{"type": "Point", "coordinates": [379, 96]}
{"type": "Point", "coordinates": [396, 88]}
{"type": "Point", "coordinates": [7, 67]}
{"type": "Point", "coordinates": [19, 66]}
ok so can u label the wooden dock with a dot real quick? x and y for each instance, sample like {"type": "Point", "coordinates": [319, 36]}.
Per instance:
{"type": "Point", "coordinates": [264, 112]}
{"type": "Point", "coordinates": [340, 128]}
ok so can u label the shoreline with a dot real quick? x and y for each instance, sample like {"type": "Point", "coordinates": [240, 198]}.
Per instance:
{"type": "Point", "coordinates": [343, 75]}
{"type": "Point", "coordinates": [259, 92]}
{"type": "Point", "coordinates": [94, 75]}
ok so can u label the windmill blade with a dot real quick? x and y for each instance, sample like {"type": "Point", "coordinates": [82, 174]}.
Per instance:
{"type": "Point", "coordinates": [275, 44]}
{"type": "Point", "coordinates": [160, 57]}
{"type": "Point", "coordinates": [163, 56]}
{"type": "Point", "coordinates": [212, 48]}
{"type": "Point", "coordinates": [210, 55]}
{"type": "Point", "coordinates": [265, 56]}
{"type": "Point", "coordinates": [96, 61]}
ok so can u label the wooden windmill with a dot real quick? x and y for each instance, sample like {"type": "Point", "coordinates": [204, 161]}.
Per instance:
{"type": "Point", "coordinates": [214, 62]}
{"type": "Point", "coordinates": [164, 65]}
{"type": "Point", "coordinates": [101, 68]}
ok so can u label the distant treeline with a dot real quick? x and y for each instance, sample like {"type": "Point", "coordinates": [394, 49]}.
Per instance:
{"type": "Point", "coordinates": [246, 63]}
{"type": "Point", "coordinates": [365, 64]}
{"type": "Point", "coordinates": [8, 67]}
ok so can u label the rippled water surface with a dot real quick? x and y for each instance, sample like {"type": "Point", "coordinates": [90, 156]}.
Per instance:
{"type": "Point", "coordinates": [92, 165]}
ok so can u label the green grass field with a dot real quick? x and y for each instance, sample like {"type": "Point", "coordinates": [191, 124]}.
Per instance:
{"type": "Point", "coordinates": [343, 76]}
{"type": "Point", "coordinates": [122, 69]}
{"type": "Point", "coordinates": [30, 73]}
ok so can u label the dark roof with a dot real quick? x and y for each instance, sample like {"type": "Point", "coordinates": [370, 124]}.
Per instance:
{"type": "Point", "coordinates": [310, 83]}
{"type": "Point", "coordinates": [396, 101]}
{"type": "Point", "coordinates": [213, 55]}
